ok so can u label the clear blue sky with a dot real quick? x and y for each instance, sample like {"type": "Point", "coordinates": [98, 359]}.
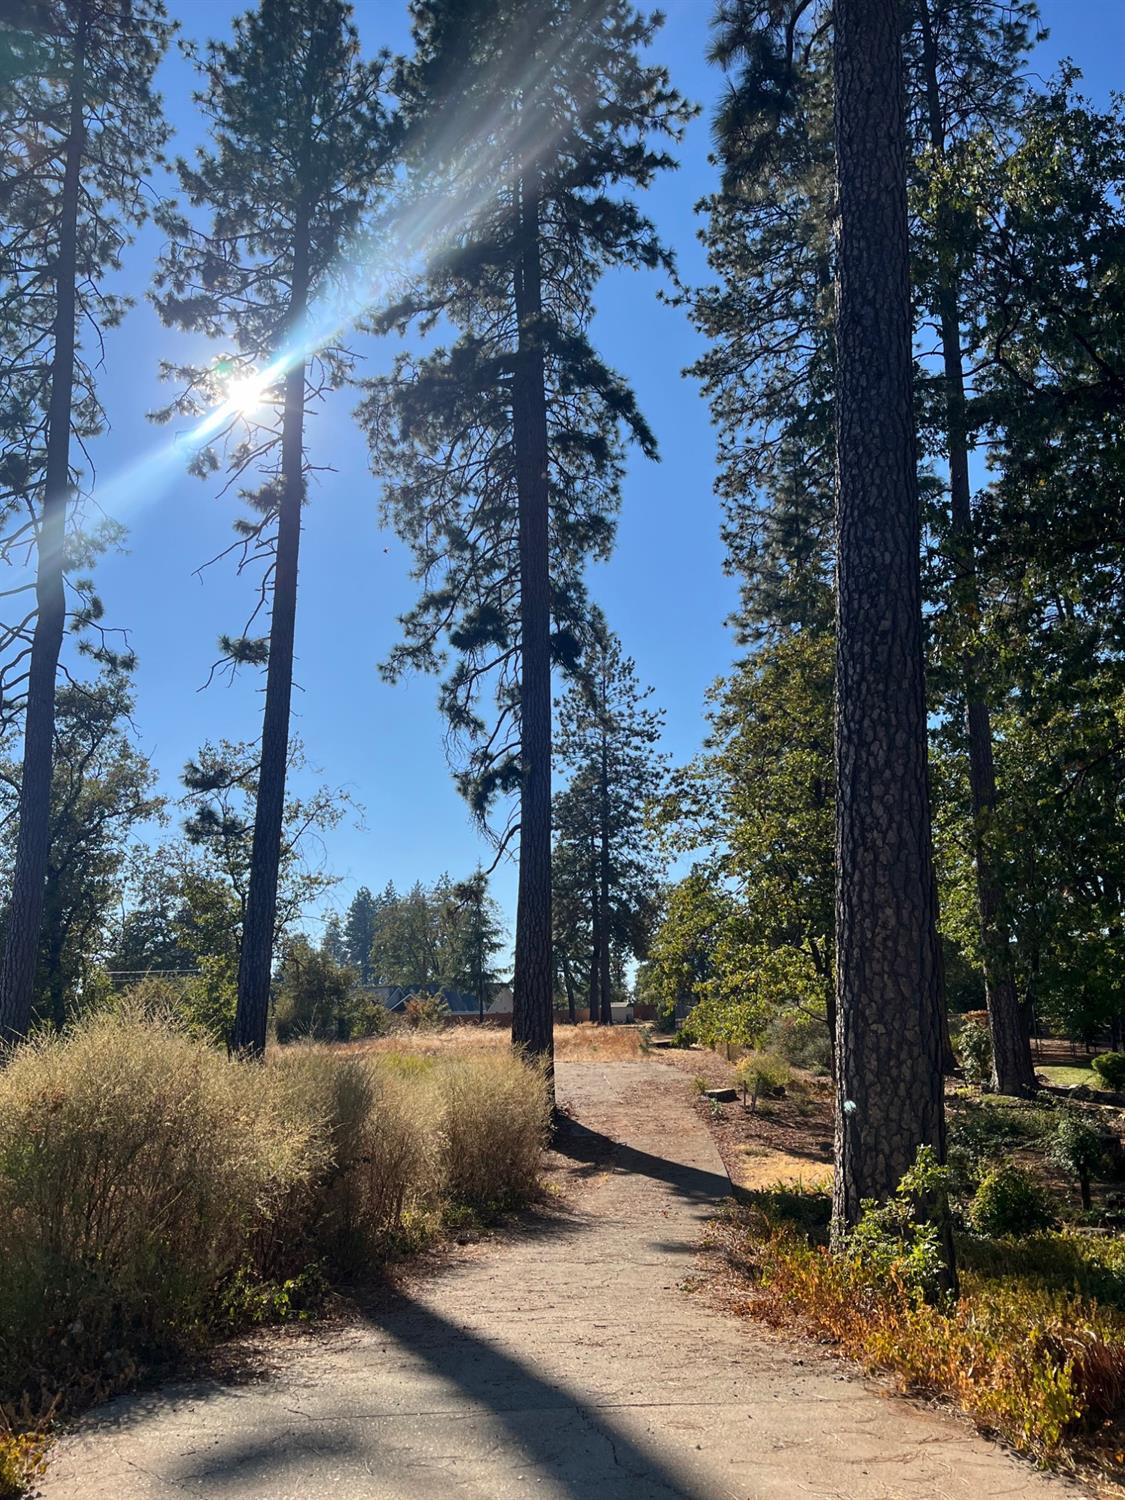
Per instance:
{"type": "Point", "coordinates": [664, 591]}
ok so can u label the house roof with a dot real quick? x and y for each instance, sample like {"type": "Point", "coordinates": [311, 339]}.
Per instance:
{"type": "Point", "coordinates": [395, 996]}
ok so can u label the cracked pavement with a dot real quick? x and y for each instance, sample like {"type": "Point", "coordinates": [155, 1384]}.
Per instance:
{"type": "Point", "coordinates": [564, 1361]}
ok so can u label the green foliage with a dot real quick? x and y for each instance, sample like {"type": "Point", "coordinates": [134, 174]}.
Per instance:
{"type": "Point", "coordinates": [973, 1045]}
{"type": "Point", "coordinates": [898, 1240]}
{"type": "Point", "coordinates": [801, 1039]}
{"type": "Point", "coordinates": [444, 429]}
{"type": "Point", "coordinates": [982, 1132]}
{"type": "Point", "coordinates": [681, 958]}
{"type": "Point", "coordinates": [101, 789]}
{"type": "Point", "coordinates": [1009, 1203]}
{"type": "Point", "coordinates": [719, 1022]}
{"type": "Point", "coordinates": [762, 1074]}
{"type": "Point", "coordinates": [758, 802]}
{"type": "Point", "coordinates": [606, 866]}
{"type": "Point", "coordinates": [1078, 1148]}
{"type": "Point", "coordinates": [426, 1012]}
{"type": "Point", "coordinates": [1110, 1068]}
{"type": "Point", "coordinates": [313, 996]}
{"type": "Point", "coordinates": [78, 85]}
{"type": "Point", "coordinates": [448, 934]}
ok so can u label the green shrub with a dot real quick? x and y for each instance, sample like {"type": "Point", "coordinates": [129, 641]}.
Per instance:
{"type": "Point", "coordinates": [314, 995]}
{"type": "Point", "coordinates": [896, 1243]}
{"type": "Point", "coordinates": [1009, 1203]}
{"type": "Point", "coordinates": [1033, 1348]}
{"type": "Point", "coordinates": [973, 1045]}
{"type": "Point", "coordinates": [1078, 1149]}
{"type": "Point", "coordinates": [718, 1021]}
{"type": "Point", "coordinates": [1110, 1068]}
{"type": "Point", "coordinates": [762, 1073]}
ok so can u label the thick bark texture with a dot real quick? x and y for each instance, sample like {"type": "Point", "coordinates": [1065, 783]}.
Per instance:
{"type": "Point", "coordinates": [1013, 1071]}
{"type": "Point", "coordinates": [603, 893]}
{"type": "Point", "coordinates": [595, 951]}
{"type": "Point", "coordinates": [29, 872]}
{"type": "Point", "coordinates": [255, 962]}
{"type": "Point", "coordinates": [888, 971]}
{"type": "Point", "coordinates": [532, 1003]}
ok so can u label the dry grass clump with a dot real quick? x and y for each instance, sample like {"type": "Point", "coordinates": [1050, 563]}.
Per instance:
{"type": "Point", "coordinates": [135, 1168]}
{"type": "Point", "coordinates": [494, 1128]}
{"type": "Point", "coordinates": [582, 1043]}
{"type": "Point", "coordinates": [152, 1191]}
{"type": "Point", "coordinates": [601, 1043]}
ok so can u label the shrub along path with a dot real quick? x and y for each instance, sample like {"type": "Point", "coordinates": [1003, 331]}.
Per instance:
{"type": "Point", "coordinates": [564, 1362]}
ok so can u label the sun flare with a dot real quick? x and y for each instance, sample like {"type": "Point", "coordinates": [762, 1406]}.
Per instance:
{"type": "Point", "coordinates": [246, 393]}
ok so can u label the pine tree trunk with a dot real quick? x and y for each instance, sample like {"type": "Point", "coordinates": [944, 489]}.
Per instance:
{"type": "Point", "coordinates": [255, 962]}
{"type": "Point", "coordinates": [532, 1009]}
{"type": "Point", "coordinates": [568, 984]}
{"type": "Point", "coordinates": [1012, 1070]}
{"type": "Point", "coordinates": [889, 1081]}
{"type": "Point", "coordinates": [605, 983]}
{"type": "Point", "coordinates": [595, 942]}
{"type": "Point", "coordinates": [33, 841]}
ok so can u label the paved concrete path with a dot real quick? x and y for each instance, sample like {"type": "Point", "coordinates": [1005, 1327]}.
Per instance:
{"type": "Point", "coordinates": [565, 1364]}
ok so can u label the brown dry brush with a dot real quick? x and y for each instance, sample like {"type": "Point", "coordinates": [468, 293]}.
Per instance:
{"type": "Point", "coordinates": [155, 1194]}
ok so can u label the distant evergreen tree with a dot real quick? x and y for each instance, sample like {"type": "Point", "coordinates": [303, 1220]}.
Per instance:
{"type": "Point", "coordinates": [481, 938]}
{"type": "Point", "coordinates": [608, 740]}
{"type": "Point", "coordinates": [359, 931]}
{"type": "Point", "coordinates": [81, 127]}
{"type": "Point", "coordinates": [333, 944]}
{"type": "Point", "coordinates": [501, 454]}
{"type": "Point", "coordinates": [300, 139]}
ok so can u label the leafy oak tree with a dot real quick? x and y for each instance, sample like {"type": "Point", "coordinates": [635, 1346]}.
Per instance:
{"type": "Point", "coordinates": [300, 138]}
{"type": "Point", "coordinates": [528, 123]}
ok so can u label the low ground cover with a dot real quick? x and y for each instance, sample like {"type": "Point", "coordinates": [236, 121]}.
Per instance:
{"type": "Point", "coordinates": [155, 1195]}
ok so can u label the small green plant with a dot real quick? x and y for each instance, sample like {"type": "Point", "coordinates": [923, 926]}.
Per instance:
{"type": "Point", "coordinates": [1110, 1068]}
{"type": "Point", "coordinates": [899, 1240]}
{"type": "Point", "coordinates": [1078, 1149]}
{"type": "Point", "coordinates": [974, 1052]}
{"type": "Point", "coordinates": [249, 1302]}
{"type": "Point", "coordinates": [762, 1074]}
{"type": "Point", "coordinates": [699, 1083]}
{"type": "Point", "coordinates": [1009, 1202]}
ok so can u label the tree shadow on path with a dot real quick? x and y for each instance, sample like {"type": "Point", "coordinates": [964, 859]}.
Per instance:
{"type": "Point", "coordinates": [579, 1143]}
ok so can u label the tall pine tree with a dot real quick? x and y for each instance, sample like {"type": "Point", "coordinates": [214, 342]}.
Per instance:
{"type": "Point", "coordinates": [963, 61]}
{"type": "Point", "coordinates": [300, 140]}
{"type": "Point", "coordinates": [888, 969]}
{"type": "Point", "coordinates": [530, 120]}
{"type": "Point", "coordinates": [608, 737]}
{"type": "Point", "coordinates": [81, 127]}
